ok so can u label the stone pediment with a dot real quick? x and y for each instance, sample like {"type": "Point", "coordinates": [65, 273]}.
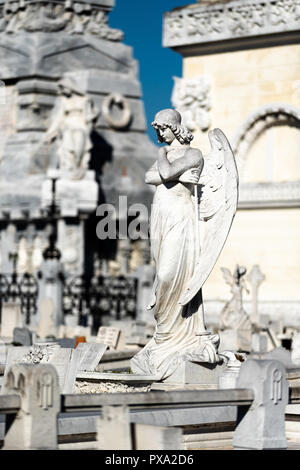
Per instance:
{"type": "Point", "coordinates": [26, 54]}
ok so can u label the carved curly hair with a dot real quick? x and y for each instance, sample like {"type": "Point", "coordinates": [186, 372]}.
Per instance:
{"type": "Point", "coordinates": [182, 134]}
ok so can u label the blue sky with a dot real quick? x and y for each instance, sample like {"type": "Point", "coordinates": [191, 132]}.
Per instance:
{"type": "Point", "coordinates": [141, 22]}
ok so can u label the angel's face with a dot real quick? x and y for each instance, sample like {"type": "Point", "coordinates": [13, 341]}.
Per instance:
{"type": "Point", "coordinates": [165, 134]}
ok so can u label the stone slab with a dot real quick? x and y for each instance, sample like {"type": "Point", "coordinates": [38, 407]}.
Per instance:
{"type": "Point", "coordinates": [168, 387]}
{"type": "Point", "coordinates": [22, 337]}
{"type": "Point", "coordinates": [65, 361]}
{"type": "Point", "coordinates": [116, 377]}
{"type": "Point", "coordinates": [138, 340]}
{"type": "Point", "coordinates": [122, 365]}
{"type": "Point", "coordinates": [67, 342]}
{"type": "Point", "coordinates": [73, 423]}
{"type": "Point", "coordinates": [91, 354]}
{"type": "Point", "coordinates": [278, 354]}
{"type": "Point", "coordinates": [118, 355]}
{"type": "Point", "coordinates": [235, 340]}
{"type": "Point", "coordinates": [196, 373]}
{"type": "Point", "coordinates": [113, 337]}
{"type": "Point", "coordinates": [148, 437]}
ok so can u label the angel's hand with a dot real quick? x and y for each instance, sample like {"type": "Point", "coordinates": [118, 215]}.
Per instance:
{"type": "Point", "coordinates": [190, 176]}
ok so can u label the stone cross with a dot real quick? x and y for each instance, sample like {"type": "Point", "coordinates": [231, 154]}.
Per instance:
{"type": "Point", "coordinates": [255, 277]}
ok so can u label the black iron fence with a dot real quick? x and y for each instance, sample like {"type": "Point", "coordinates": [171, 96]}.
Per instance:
{"type": "Point", "coordinates": [101, 296]}
{"type": "Point", "coordinates": [22, 288]}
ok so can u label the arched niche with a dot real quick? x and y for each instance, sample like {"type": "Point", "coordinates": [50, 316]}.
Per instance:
{"type": "Point", "coordinates": [267, 146]}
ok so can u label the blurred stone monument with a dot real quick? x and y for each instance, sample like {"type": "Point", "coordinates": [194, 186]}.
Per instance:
{"type": "Point", "coordinates": [51, 277]}
{"type": "Point", "coordinates": [73, 112]}
{"type": "Point", "coordinates": [235, 324]}
{"type": "Point", "coordinates": [256, 277]}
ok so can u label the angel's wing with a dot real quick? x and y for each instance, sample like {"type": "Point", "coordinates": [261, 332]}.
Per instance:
{"type": "Point", "coordinates": [227, 275]}
{"type": "Point", "coordinates": [217, 207]}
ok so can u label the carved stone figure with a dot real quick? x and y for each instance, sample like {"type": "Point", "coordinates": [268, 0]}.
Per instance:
{"type": "Point", "coordinates": [233, 315]}
{"type": "Point", "coordinates": [187, 235]}
{"type": "Point", "coordinates": [191, 97]}
{"type": "Point", "coordinates": [52, 17]}
{"type": "Point", "coordinates": [98, 25]}
{"type": "Point", "coordinates": [71, 126]}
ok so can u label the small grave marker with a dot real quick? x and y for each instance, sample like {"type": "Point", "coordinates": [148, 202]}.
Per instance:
{"type": "Point", "coordinates": [114, 338]}
{"type": "Point", "coordinates": [91, 354]}
{"type": "Point", "coordinates": [22, 337]}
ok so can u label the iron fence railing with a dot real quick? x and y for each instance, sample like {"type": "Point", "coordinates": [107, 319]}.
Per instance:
{"type": "Point", "coordinates": [98, 297]}
{"type": "Point", "coordinates": [21, 288]}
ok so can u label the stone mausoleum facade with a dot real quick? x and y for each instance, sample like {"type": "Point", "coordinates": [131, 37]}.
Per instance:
{"type": "Point", "coordinates": [241, 68]}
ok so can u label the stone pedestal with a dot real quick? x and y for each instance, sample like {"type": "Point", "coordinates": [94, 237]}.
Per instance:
{"type": "Point", "coordinates": [236, 340]}
{"type": "Point", "coordinates": [200, 374]}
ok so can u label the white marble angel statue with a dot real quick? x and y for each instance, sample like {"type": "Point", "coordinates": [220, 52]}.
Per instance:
{"type": "Point", "coordinates": [188, 230]}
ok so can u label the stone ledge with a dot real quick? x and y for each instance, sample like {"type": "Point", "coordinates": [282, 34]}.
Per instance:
{"type": "Point", "coordinates": [262, 195]}
{"type": "Point", "coordinates": [204, 24]}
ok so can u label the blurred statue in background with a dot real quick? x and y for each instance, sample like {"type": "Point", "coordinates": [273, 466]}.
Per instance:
{"type": "Point", "coordinates": [233, 315]}
{"type": "Point", "coordinates": [71, 125]}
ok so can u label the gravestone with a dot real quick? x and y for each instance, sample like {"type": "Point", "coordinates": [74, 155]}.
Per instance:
{"type": "Point", "coordinates": [67, 342]}
{"type": "Point", "coordinates": [64, 360]}
{"type": "Point", "coordinates": [91, 354]}
{"type": "Point", "coordinates": [278, 354]}
{"type": "Point", "coordinates": [11, 317]}
{"type": "Point", "coordinates": [46, 326]}
{"type": "Point", "coordinates": [22, 337]}
{"type": "Point", "coordinates": [114, 338]}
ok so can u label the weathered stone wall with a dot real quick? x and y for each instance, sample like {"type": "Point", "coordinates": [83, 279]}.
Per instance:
{"type": "Point", "coordinates": [255, 101]}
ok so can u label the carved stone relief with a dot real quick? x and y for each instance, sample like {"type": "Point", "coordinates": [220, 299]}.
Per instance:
{"type": "Point", "coordinates": [192, 98]}
{"type": "Point", "coordinates": [232, 19]}
{"type": "Point", "coordinates": [116, 102]}
{"type": "Point", "coordinates": [73, 17]}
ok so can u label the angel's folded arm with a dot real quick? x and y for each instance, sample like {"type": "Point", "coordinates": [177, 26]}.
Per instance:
{"type": "Point", "coordinates": [152, 176]}
{"type": "Point", "coordinates": [169, 171]}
